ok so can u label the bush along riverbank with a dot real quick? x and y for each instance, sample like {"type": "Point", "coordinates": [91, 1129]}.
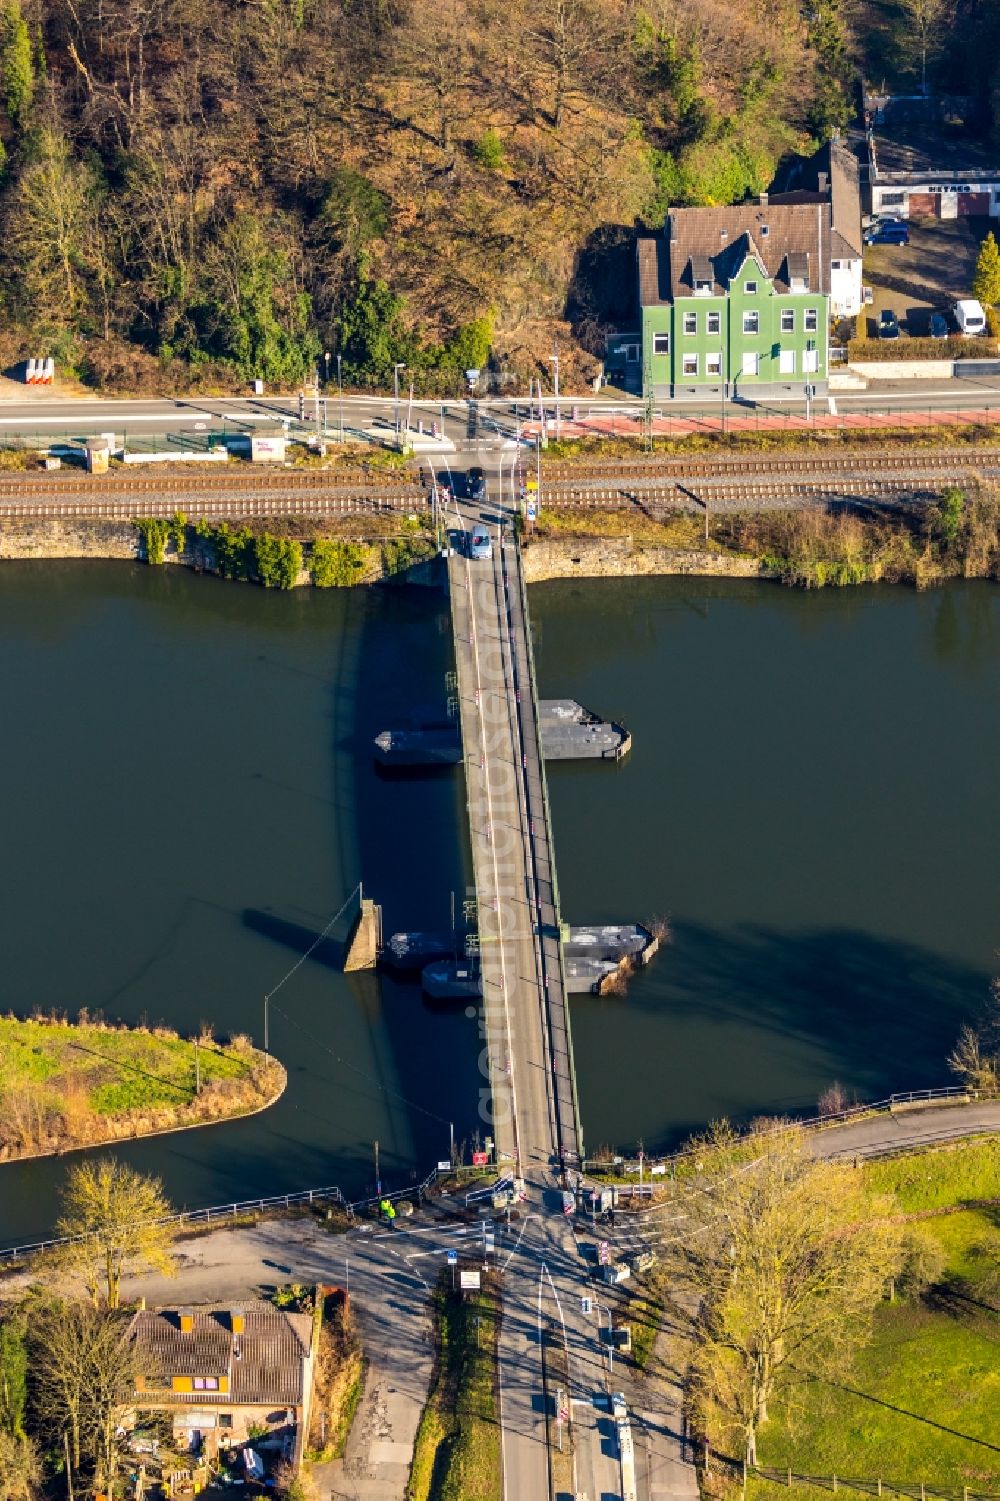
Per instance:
{"type": "Point", "coordinates": [956, 535]}
{"type": "Point", "coordinates": [79, 1084]}
{"type": "Point", "coordinates": [327, 559]}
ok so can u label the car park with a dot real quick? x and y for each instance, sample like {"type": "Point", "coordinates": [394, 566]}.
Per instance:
{"type": "Point", "coordinates": [888, 324]}
{"type": "Point", "coordinates": [887, 234]}
{"type": "Point", "coordinates": [938, 328]}
{"type": "Point", "coordinates": [480, 545]}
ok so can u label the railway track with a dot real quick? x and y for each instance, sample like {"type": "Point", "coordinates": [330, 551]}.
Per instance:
{"type": "Point", "coordinates": [959, 459]}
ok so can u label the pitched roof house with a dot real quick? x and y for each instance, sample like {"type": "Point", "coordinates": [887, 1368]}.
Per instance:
{"type": "Point", "coordinates": [736, 298]}
{"type": "Point", "coordinates": [221, 1371]}
{"type": "Point", "coordinates": [831, 175]}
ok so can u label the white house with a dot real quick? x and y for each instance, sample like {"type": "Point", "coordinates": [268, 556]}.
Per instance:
{"type": "Point", "coordinates": [831, 176]}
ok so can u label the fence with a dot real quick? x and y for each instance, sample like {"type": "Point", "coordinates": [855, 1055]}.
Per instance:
{"type": "Point", "coordinates": [867, 1486]}
{"type": "Point", "coordinates": [655, 1166]}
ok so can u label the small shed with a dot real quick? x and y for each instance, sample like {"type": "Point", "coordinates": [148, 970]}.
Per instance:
{"type": "Point", "coordinates": [268, 448]}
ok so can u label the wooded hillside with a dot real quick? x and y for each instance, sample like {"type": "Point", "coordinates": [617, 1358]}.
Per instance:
{"type": "Point", "coordinates": [232, 188]}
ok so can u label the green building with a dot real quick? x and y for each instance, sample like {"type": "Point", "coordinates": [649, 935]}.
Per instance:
{"type": "Point", "coordinates": [735, 301]}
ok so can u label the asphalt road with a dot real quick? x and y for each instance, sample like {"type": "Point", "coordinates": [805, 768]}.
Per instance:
{"type": "Point", "coordinates": [53, 416]}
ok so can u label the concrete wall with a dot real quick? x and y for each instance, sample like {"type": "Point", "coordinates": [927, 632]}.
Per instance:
{"type": "Point", "coordinates": [904, 369]}
{"type": "Point", "coordinates": [65, 538]}
{"type": "Point", "coordinates": [618, 557]}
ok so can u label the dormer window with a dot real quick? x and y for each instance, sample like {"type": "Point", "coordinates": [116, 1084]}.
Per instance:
{"type": "Point", "coordinates": [703, 288]}
{"type": "Point", "coordinates": [765, 230]}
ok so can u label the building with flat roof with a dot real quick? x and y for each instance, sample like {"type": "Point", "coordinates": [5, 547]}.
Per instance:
{"type": "Point", "coordinates": [923, 162]}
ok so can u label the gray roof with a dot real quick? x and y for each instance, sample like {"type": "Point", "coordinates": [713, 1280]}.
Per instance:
{"type": "Point", "coordinates": [654, 273]}
{"type": "Point", "coordinates": [831, 176]}
{"type": "Point", "coordinates": [723, 237]}
{"type": "Point", "coordinates": [265, 1363]}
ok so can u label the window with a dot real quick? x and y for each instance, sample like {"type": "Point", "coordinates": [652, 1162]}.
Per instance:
{"type": "Point", "coordinates": [631, 353]}
{"type": "Point", "coordinates": [786, 362]}
{"type": "Point", "coordinates": [713, 365]}
{"type": "Point", "coordinates": [996, 195]}
{"type": "Point", "coordinates": [225, 1420]}
{"type": "Point", "coordinates": [811, 323]}
{"type": "Point", "coordinates": [810, 362]}
{"type": "Point", "coordinates": [751, 289]}
{"type": "Point", "coordinates": [836, 265]}
{"type": "Point", "coordinates": [751, 364]}
{"type": "Point", "coordinates": [703, 288]}
{"type": "Point", "coordinates": [787, 320]}
{"type": "Point", "coordinates": [206, 1383]}
{"type": "Point", "coordinates": [892, 200]}
{"type": "Point", "coordinates": [690, 323]}
{"type": "Point", "coordinates": [751, 323]}
{"type": "Point", "coordinates": [690, 364]}
{"type": "Point", "coordinates": [765, 230]}
{"type": "Point", "coordinates": [661, 343]}
{"type": "Point", "coordinates": [714, 323]}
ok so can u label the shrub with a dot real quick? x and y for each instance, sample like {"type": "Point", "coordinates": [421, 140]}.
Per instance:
{"type": "Point", "coordinates": [154, 533]}
{"type": "Point", "coordinates": [952, 348]}
{"type": "Point", "coordinates": [279, 561]}
{"type": "Point", "coordinates": [489, 152]}
{"type": "Point", "coordinates": [336, 565]}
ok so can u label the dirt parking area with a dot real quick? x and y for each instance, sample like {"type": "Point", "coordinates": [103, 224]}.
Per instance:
{"type": "Point", "coordinates": [925, 276]}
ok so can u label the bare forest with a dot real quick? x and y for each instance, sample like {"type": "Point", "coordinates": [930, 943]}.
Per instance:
{"type": "Point", "coordinates": [210, 190]}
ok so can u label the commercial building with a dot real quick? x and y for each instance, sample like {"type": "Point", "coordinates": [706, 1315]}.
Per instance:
{"type": "Point", "coordinates": [923, 163]}
{"type": "Point", "coordinates": [735, 301]}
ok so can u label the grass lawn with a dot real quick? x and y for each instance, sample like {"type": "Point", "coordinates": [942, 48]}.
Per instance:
{"type": "Point", "coordinates": [457, 1452]}
{"type": "Point", "coordinates": [65, 1084]}
{"type": "Point", "coordinates": [922, 1402]}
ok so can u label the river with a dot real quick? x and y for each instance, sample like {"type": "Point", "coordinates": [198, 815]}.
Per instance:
{"type": "Point", "coordinates": [188, 795]}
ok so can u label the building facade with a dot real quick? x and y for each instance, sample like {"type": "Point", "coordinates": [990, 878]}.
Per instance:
{"type": "Point", "coordinates": [832, 176]}
{"type": "Point", "coordinates": [736, 302]}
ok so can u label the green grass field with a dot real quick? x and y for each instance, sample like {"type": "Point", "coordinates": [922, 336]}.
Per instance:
{"type": "Point", "coordinates": [457, 1452]}
{"type": "Point", "coordinates": [64, 1084]}
{"type": "Point", "coordinates": [921, 1402]}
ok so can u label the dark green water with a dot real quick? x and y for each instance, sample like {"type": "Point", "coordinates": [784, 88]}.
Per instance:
{"type": "Point", "coordinates": [812, 799]}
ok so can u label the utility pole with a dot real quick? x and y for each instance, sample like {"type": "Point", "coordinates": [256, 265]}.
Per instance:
{"type": "Point", "coordinates": [395, 390]}
{"type": "Point", "coordinates": [554, 361]}
{"type": "Point", "coordinates": [340, 388]}
{"type": "Point", "coordinates": [266, 1048]}
{"type": "Point", "coordinates": [378, 1180]}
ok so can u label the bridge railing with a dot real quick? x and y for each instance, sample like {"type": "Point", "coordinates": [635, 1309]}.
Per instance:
{"type": "Point", "coordinates": [533, 677]}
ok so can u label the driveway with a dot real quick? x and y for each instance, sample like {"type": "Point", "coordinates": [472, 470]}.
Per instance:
{"type": "Point", "coordinates": [929, 273]}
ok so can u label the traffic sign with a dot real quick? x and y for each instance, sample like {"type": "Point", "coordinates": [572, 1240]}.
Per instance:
{"type": "Point", "coordinates": [604, 1253]}
{"type": "Point", "coordinates": [531, 483]}
{"type": "Point", "coordinates": [453, 1258]}
{"type": "Point", "coordinates": [586, 1305]}
{"type": "Point", "coordinates": [532, 510]}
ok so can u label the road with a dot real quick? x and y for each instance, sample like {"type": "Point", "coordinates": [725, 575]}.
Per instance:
{"type": "Point", "coordinates": [471, 426]}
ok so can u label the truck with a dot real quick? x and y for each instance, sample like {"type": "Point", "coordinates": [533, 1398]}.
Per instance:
{"type": "Point", "coordinates": [969, 316]}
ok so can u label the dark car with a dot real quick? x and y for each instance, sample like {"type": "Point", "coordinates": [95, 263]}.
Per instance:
{"type": "Point", "coordinates": [887, 234]}
{"type": "Point", "coordinates": [476, 485]}
{"type": "Point", "coordinates": [939, 326]}
{"type": "Point", "coordinates": [888, 324]}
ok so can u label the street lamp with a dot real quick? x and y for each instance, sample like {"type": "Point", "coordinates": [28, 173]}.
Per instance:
{"type": "Point", "coordinates": [326, 359]}
{"type": "Point", "coordinates": [554, 361]}
{"type": "Point", "coordinates": [611, 1343]}
{"type": "Point", "coordinates": [340, 388]}
{"type": "Point", "coordinates": [395, 389]}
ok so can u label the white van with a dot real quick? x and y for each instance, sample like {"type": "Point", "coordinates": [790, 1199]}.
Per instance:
{"type": "Point", "coordinates": [970, 317]}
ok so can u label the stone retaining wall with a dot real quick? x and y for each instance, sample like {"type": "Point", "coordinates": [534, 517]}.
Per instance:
{"type": "Point", "coordinates": [62, 537]}
{"type": "Point", "coordinates": [619, 557]}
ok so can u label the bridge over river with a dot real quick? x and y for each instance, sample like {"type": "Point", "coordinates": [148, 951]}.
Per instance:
{"type": "Point", "coordinates": [530, 1099]}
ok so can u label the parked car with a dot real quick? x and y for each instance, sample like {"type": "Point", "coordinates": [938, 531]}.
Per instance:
{"type": "Point", "coordinates": [887, 234]}
{"type": "Point", "coordinates": [480, 545]}
{"type": "Point", "coordinates": [969, 316]}
{"type": "Point", "coordinates": [476, 484]}
{"type": "Point", "coordinates": [888, 324]}
{"type": "Point", "coordinates": [938, 326]}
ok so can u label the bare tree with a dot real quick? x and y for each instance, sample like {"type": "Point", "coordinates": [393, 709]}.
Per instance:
{"type": "Point", "coordinates": [114, 1218]}
{"type": "Point", "coordinates": [781, 1265]}
{"type": "Point", "coordinates": [83, 1370]}
{"type": "Point", "coordinates": [20, 1467]}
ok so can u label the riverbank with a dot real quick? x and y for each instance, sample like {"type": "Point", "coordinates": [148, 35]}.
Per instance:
{"type": "Point", "coordinates": [66, 1085]}
{"type": "Point", "coordinates": [956, 535]}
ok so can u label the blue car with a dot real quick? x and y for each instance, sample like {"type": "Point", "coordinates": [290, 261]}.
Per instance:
{"type": "Point", "coordinates": [480, 545]}
{"type": "Point", "coordinates": [887, 234]}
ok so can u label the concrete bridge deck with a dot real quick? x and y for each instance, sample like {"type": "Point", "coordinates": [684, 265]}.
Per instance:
{"type": "Point", "coordinates": [529, 1104]}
